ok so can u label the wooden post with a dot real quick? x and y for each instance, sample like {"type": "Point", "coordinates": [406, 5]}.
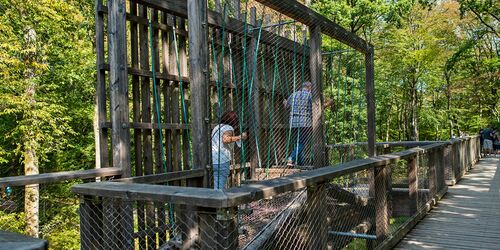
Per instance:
{"type": "Point", "coordinates": [90, 224]}
{"type": "Point", "coordinates": [118, 79]}
{"type": "Point", "coordinates": [370, 100]}
{"type": "Point", "coordinates": [218, 228]}
{"type": "Point", "coordinates": [370, 106]}
{"type": "Point", "coordinates": [316, 217]}
{"type": "Point", "coordinates": [254, 110]}
{"type": "Point", "coordinates": [198, 74]}
{"type": "Point", "coordinates": [315, 66]}
{"type": "Point", "coordinates": [413, 184]}
{"type": "Point", "coordinates": [381, 206]}
{"type": "Point", "coordinates": [101, 88]}
{"type": "Point", "coordinates": [200, 93]}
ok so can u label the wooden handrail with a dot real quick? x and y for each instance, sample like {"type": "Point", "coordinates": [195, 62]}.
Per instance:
{"type": "Point", "coordinates": [164, 177]}
{"type": "Point", "coordinates": [204, 197]}
{"type": "Point", "coordinates": [58, 177]}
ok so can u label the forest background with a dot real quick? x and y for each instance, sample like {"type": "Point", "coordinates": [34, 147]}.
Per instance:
{"type": "Point", "coordinates": [437, 69]}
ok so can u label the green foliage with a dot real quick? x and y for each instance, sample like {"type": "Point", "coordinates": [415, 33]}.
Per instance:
{"type": "Point", "coordinates": [13, 222]}
{"type": "Point", "coordinates": [60, 118]}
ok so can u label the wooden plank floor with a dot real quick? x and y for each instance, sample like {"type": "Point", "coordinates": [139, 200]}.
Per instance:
{"type": "Point", "coordinates": [468, 217]}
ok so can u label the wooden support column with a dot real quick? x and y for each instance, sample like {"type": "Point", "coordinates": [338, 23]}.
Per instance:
{"type": "Point", "coordinates": [315, 66]}
{"type": "Point", "coordinates": [102, 148]}
{"type": "Point", "coordinates": [200, 120]}
{"type": "Point", "coordinates": [381, 206]}
{"type": "Point", "coordinates": [316, 217]}
{"type": "Point", "coordinates": [218, 228]}
{"type": "Point", "coordinates": [118, 79]}
{"type": "Point", "coordinates": [90, 223]}
{"type": "Point", "coordinates": [199, 82]}
{"type": "Point", "coordinates": [370, 100]}
{"type": "Point", "coordinates": [372, 173]}
{"type": "Point", "coordinates": [413, 184]}
{"type": "Point", "coordinates": [254, 108]}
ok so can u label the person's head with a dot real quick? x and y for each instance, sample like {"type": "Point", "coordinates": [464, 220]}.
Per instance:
{"type": "Point", "coordinates": [307, 86]}
{"type": "Point", "coordinates": [230, 118]}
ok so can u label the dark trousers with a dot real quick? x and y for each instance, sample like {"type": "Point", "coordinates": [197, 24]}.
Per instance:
{"type": "Point", "coordinates": [299, 139]}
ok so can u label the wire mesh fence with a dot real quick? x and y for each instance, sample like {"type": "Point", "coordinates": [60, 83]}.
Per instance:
{"type": "Point", "coordinates": [360, 206]}
{"type": "Point", "coordinates": [46, 211]}
{"type": "Point", "coordinates": [262, 76]}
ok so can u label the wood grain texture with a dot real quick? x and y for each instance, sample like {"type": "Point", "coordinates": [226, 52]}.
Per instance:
{"type": "Point", "coordinates": [467, 218]}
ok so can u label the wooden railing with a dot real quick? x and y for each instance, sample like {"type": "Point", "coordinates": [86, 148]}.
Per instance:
{"type": "Point", "coordinates": [212, 213]}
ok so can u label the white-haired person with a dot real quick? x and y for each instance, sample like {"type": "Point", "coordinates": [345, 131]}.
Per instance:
{"type": "Point", "coordinates": [300, 105]}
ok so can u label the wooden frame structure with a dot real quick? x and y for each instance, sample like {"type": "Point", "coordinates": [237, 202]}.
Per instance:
{"type": "Point", "coordinates": [124, 73]}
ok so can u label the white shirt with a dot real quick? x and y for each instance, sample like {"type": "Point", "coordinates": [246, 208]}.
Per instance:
{"type": "Point", "coordinates": [221, 152]}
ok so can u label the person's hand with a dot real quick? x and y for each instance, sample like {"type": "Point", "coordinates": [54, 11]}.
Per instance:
{"type": "Point", "coordinates": [244, 136]}
{"type": "Point", "coordinates": [285, 102]}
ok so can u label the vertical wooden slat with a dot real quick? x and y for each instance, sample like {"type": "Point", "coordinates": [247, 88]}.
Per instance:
{"type": "Point", "coordinates": [136, 94]}
{"type": "Point", "coordinates": [118, 78]}
{"type": "Point", "coordinates": [315, 67]}
{"type": "Point", "coordinates": [146, 118]}
{"type": "Point", "coordinates": [184, 72]}
{"type": "Point", "coordinates": [174, 95]}
{"type": "Point", "coordinates": [158, 161]}
{"type": "Point", "coordinates": [253, 108]}
{"type": "Point", "coordinates": [101, 88]}
{"type": "Point", "coordinates": [166, 93]}
{"type": "Point", "coordinates": [136, 107]}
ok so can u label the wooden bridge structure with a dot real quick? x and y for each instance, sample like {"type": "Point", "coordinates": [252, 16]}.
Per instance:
{"type": "Point", "coordinates": [135, 202]}
{"type": "Point", "coordinates": [333, 201]}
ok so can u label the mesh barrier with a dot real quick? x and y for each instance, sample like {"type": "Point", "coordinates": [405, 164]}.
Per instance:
{"type": "Point", "coordinates": [347, 207]}
{"type": "Point", "coordinates": [259, 67]}
{"type": "Point", "coordinates": [46, 211]}
{"type": "Point", "coordinates": [357, 210]}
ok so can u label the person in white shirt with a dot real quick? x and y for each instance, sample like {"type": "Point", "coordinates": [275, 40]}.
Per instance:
{"type": "Point", "coordinates": [223, 140]}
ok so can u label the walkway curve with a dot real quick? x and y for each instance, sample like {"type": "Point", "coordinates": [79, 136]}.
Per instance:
{"type": "Point", "coordinates": [468, 217]}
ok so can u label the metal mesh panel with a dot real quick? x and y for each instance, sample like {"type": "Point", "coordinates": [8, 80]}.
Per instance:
{"type": "Point", "coordinates": [46, 211]}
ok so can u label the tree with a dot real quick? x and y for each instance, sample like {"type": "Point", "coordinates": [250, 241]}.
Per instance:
{"type": "Point", "coordinates": [46, 93]}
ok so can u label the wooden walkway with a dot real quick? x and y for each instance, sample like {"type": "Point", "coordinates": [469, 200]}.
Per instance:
{"type": "Point", "coordinates": [468, 217]}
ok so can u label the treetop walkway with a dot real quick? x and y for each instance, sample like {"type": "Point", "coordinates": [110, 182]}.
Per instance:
{"type": "Point", "coordinates": [467, 217]}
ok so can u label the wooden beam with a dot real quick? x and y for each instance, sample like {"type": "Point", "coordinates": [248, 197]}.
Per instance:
{"type": "Point", "coordinates": [118, 79]}
{"type": "Point", "coordinates": [103, 148]}
{"type": "Point", "coordinates": [198, 73]}
{"type": "Point", "coordinates": [315, 66]}
{"type": "Point", "coordinates": [164, 177]}
{"type": "Point", "coordinates": [370, 101]}
{"type": "Point", "coordinates": [179, 8]}
{"type": "Point", "coordinates": [235, 196]}
{"type": "Point", "coordinates": [303, 14]}
{"type": "Point", "coordinates": [24, 180]}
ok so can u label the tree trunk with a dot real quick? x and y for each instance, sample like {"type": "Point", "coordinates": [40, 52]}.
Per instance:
{"type": "Point", "coordinates": [31, 194]}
